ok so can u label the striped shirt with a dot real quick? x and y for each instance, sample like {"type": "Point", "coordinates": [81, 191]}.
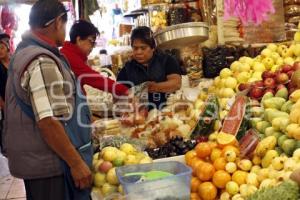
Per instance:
{"type": "Point", "coordinates": [45, 85]}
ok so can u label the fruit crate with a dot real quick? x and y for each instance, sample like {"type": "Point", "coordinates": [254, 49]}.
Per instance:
{"type": "Point", "coordinates": [157, 189]}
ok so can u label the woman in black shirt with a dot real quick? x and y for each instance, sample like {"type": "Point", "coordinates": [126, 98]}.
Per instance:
{"type": "Point", "coordinates": [160, 70]}
{"type": "Point", "coordinates": [4, 62]}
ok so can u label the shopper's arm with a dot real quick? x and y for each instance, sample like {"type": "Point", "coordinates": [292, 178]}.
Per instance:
{"type": "Point", "coordinates": [55, 136]}
{"type": "Point", "coordinates": [172, 84]}
{"type": "Point", "coordinates": [87, 76]}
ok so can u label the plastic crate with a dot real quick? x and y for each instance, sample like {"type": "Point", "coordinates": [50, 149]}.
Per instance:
{"type": "Point", "coordinates": [172, 187]}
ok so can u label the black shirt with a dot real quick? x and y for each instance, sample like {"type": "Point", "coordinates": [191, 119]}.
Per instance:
{"type": "Point", "coordinates": [160, 66]}
{"type": "Point", "coordinates": [3, 79]}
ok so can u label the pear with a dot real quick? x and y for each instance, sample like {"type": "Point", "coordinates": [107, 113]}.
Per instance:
{"type": "Point", "coordinates": [283, 93]}
{"type": "Point", "coordinates": [262, 125]}
{"type": "Point", "coordinates": [288, 146]}
{"type": "Point", "coordinates": [267, 96]}
{"type": "Point", "coordinates": [287, 106]}
{"type": "Point", "coordinates": [281, 139]}
{"type": "Point", "coordinates": [274, 102]}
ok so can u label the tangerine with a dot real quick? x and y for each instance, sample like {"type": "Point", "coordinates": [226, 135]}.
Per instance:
{"type": "Point", "coordinates": [230, 148]}
{"type": "Point", "coordinates": [205, 172]}
{"type": "Point", "coordinates": [207, 191]}
{"type": "Point", "coordinates": [195, 196]}
{"type": "Point", "coordinates": [220, 163]}
{"type": "Point", "coordinates": [239, 177]}
{"type": "Point", "coordinates": [196, 163]}
{"type": "Point", "coordinates": [220, 179]}
{"type": "Point", "coordinates": [203, 150]}
{"type": "Point", "coordinates": [195, 182]}
{"type": "Point", "coordinates": [189, 155]}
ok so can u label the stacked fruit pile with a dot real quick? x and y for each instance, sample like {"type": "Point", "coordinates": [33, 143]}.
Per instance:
{"type": "Point", "coordinates": [219, 171]}
{"type": "Point", "coordinates": [105, 163]}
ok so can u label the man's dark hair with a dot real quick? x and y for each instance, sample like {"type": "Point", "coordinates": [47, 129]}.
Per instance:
{"type": "Point", "coordinates": [83, 29]}
{"type": "Point", "coordinates": [44, 12]}
{"type": "Point", "coordinates": [103, 51]}
{"type": "Point", "coordinates": [144, 34]}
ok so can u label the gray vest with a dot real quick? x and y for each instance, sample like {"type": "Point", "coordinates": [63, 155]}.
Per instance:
{"type": "Point", "coordinates": [29, 155]}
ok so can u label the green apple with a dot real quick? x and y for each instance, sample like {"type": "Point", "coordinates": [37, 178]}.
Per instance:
{"type": "Point", "coordinates": [257, 75]}
{"type": "Point", "coordinates": [258, 67]}
{"type": "Point", "coordinates": [268, 62]}
{"type": "Point", "coordinates": [228, 92]}
{"type": "Point", "coordinates": [235, 66]}
{"type": "Point", "coordinates": [279, 61]}
{"type": "Point", "coordinates": [243, 77]}
{"type": "Point", "coordinates": [275, 56]}
{"type": "Point", "coordinates": [266, 52]}
{"type": "Point", "coordinates": [296, 49]}
{"type": "Point", "coordinates": [225, 73]}
{"type": "Point", "coordinates": [245, 67]}
{"type": "Point", "coordinates": [254, 121]}
{"type": "Point", "coordinates": [230, 82]}
{"type": "Point", "coordinates": [108, 189]}
{"type": "Point", "coordinates": [281, 48]}
{"type": "Point", "coordinates": [99, 179]}
{"type": "Point", "coordinates": [289, 61]}
{"type": "Point", "coordinates": [272, 47]}
{"type": "Point", "coordinates": [257, 111]}
{"type": "Point", "coordinates": [269, 131]}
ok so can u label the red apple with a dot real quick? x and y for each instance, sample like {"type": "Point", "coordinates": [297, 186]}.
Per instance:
{"type": "Point", "coordinates": [270, 83]}
{"type": "Point", "coordinates": [256, 92]}
{"type": "Point", "coordinates": [286, 68]}
{"type": "Point", "coordinates": [259, 84]}
{"type": "Point", "coordinates": [280, 86]}
{"type": "Point", "coordinates": [267, 74]}
{"type": "Point", "coordinates": [282, 78]}
{"type": "Point", "coordinates": [296, 66]}
{"type": "Point", "coordinates": [243, 86]}
{"type": "Point", "coordinates": [269, 90]}
{"type": "Point", "coordinates": [290, 74]}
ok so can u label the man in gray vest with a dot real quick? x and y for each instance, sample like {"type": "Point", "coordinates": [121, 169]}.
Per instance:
{"type": "Point", "coordinates": [46, 138]}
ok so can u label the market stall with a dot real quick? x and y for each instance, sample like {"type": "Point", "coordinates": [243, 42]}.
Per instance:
{"type": "Point", "coordinates": [237, 131]}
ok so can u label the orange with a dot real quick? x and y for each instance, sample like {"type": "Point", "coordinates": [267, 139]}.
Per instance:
{"type": "Point", "coordinates": [196, 163]}
{"type": "Point", "coordinates": [195, 182]}
{"type": "Point", "coordinates": [224, 139]}
{"type": "Point", "coordinates": [229, 148]}
{"type": "Point", "coordinates": [207, 191]}
{"type": "Point", "coordinates": [215, 153]}
{"type": "Point", "coordinates": [239, 177]}
{"type": "Point", "coordinates": [205, 172]}
{"type": "Point", "coordinates": [189, 156]}
{"type": "Point", "coordinates": [195, 196]}
{"type": "Point", "coordinates": [220, 163]}
{"type": "Point", "coordinates": [220, 179]}
{"type": "Point", "coordinates": [212, 144]}
{"type": "Point", "coordinates": [203, 150]}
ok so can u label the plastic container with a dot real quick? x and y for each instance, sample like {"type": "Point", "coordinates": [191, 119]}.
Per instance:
{"type": "Point", "coordinates": [173, 187]}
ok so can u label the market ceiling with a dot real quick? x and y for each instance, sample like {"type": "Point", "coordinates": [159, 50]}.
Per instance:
{"type": "Point", "coordinates": [21, 1]}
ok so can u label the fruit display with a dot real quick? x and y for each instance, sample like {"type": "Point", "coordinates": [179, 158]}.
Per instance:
{"type": "Point", "coordinates": [207, 118]}
{"type": "Point", "coordinates": [286, 190]}
{"type": "Point", "coordinates": [105, 181]}
{"type": "Point", "coordinates": [158, 20]}
{"type": "Point", "coordinates": [219, 171]}
{"type": "Point", "coordinates": [237, 122]}
{"type": "Point", "coordinates": [176, 146]}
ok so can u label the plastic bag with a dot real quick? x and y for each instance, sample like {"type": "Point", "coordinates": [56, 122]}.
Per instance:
{"type": "Point", "coordinates": [4, 171]}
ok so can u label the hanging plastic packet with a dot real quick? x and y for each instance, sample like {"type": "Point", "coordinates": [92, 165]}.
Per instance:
{"type": "Point", "coordinates": [135, 110]}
